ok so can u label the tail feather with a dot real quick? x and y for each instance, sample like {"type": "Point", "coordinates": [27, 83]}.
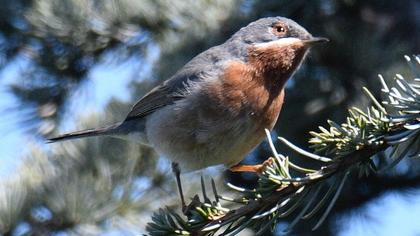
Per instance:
{"type": "Point", "coordinates": [85, 133]}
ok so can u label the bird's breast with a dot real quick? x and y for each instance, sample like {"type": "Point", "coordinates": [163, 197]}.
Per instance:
{"type": "Point", "coordinates": [242, 92]}
{"type": "Point", "coordinates": [219, 122]}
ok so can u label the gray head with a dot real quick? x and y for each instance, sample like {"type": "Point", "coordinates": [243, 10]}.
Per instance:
{"type": "Point", "coordinates": [271, 29]}
{"type": "Point", "coordinates": [275, 46]}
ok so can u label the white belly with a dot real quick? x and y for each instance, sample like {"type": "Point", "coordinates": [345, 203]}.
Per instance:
{"type": "Point", "coordinates": [189, 136]}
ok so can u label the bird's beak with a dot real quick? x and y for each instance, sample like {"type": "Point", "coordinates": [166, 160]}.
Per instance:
{"type": "Point", "coordinates": [315, 40]}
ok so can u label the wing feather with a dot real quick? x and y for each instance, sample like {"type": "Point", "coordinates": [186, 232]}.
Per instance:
{"type": "Point", "coordinates": [155, 99]}
{"type": "Point", "coordinates": [208, 64]}
{"type": "Point", "coordinates": [165, 94]}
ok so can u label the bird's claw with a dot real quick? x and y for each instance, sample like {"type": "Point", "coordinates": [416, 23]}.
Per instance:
{"type": "Point", "coordinates": [259, 169]}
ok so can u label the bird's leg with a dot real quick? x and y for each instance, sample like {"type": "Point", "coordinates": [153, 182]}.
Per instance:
{"type": "Point", "coordinates": [177, 172]}
{"type": "Point", "coordinates": [252, 168]}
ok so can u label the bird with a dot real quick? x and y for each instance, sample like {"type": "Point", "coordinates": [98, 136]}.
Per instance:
{"type": "Point", "coordinates": [215, 109]}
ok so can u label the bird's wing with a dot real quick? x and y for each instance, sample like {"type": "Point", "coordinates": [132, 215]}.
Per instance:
{"type": "Point", "coordinates": [155, 99]}
{"type": "Point", "coordinates": [207, 65]}
{"type": "Point", "coordinates": [176, 87]}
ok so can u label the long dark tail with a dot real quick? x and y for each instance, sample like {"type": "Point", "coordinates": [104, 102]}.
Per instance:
{"type": "Point", "coordinates": [86, 133]}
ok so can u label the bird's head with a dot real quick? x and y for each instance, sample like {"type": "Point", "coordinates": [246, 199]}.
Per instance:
{"type": "Point", "coordinates": [276, 45]}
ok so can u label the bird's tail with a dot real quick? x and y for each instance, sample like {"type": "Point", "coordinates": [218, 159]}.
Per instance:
{"type": "Point", "coordinates": [86, 133]}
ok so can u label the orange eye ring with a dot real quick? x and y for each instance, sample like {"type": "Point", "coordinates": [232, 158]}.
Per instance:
{"type": "Point", "coordinates": [279, 29]}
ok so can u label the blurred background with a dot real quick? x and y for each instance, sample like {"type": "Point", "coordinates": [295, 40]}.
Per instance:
{"type": "Point", "coordinates": [73, 64]}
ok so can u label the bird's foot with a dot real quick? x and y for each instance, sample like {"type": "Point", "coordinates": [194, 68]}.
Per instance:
{"type": "Point", "coordinates": [259, 169]}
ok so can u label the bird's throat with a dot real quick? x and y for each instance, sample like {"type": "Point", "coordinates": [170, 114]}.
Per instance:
{"type": "Point", "coordinates": [275, 63]}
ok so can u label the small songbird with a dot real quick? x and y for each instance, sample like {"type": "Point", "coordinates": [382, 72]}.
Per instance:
{"type": "Point", "coordinates": [214, 109]}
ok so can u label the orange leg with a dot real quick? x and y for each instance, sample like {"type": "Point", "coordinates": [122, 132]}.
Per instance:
{"type": "Point", "coordinates": [252, 168]}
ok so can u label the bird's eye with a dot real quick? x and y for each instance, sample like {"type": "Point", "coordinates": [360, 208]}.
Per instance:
{"type": "Point", "coordinates": [279, 29]}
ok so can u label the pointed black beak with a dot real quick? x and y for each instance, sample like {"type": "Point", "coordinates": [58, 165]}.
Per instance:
{"type": "Point", "coordinates": [315, 40]}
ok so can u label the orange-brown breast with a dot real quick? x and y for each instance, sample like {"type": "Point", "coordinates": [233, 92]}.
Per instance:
{"type": "Point", "coordinates": [240, 92]}
{"type": "Point", "coordinates": [257, 86]}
